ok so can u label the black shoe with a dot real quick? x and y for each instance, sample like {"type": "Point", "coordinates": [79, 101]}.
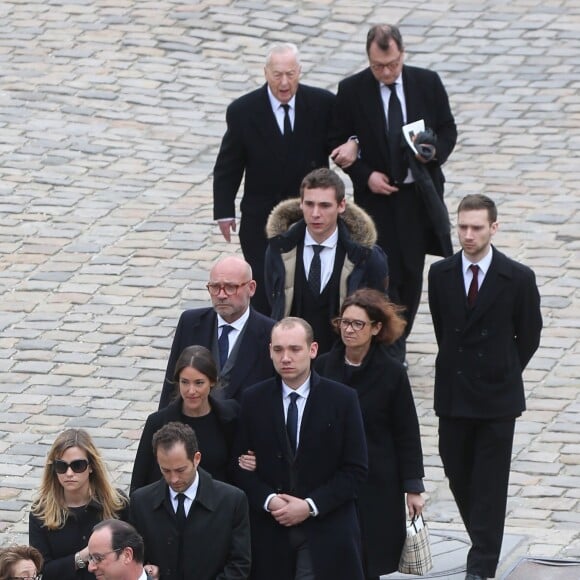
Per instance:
{"type": "Point", "coordinates": [471, 576]}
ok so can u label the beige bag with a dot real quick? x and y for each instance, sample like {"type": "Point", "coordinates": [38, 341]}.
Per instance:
{"type": "Point", "coordinates": [416, 555]}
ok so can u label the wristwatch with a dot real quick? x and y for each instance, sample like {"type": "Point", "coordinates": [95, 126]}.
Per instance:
{"type": "Point", "coordinates": [79, 562]}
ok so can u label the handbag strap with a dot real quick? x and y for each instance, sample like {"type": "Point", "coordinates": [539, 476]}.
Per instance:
{"type": "Point", "coordinates": [414, 519]}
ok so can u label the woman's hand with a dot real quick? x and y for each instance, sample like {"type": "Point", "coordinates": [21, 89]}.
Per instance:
{"type": "Point", "coordinates": [415, 504]}
{"type": "Point", "coordinates": [247, 461]}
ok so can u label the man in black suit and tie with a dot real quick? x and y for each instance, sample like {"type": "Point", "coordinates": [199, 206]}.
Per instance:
{"type": "Point", "coordinates": [275, 135]}
{"type": "Point", "coordinates": [232, 330]}
{"type": "Point", "coordinates": [311, 455]}
{"type": "Point", "coordinates": [373, 105]}
{"type": "Point", "coordinates": [194, 527]}
{"type": "Point", "coordinates": [487, 321]}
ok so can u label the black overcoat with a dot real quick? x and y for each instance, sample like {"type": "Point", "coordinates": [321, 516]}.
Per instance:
{"type": "Point", "coordinates": [394, 447]}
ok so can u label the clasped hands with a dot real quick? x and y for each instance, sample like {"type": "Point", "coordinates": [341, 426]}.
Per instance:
{"type": "Point", "coordinates": [288, 510]}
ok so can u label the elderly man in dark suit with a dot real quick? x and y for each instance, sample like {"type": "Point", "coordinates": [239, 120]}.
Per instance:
{"type": "Point", "coordinates": [487, 320]}
{"type": "Point", "coordinates": [242, 352]}
{"type": "Point", "coordinates": [194, 527]}
{"type": "Point", "coordinates": [275, 135]}
{"type": "Point", "coordinates": [309, 442]}
{"type": "Point", "coordinates": [372, 106]}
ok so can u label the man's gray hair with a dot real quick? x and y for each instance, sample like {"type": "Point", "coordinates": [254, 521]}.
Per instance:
{"type": "Point", "coordinates": [280, 48]}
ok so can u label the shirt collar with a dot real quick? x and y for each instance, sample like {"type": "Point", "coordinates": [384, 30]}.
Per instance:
{"type": "Point", "coordinates": [483, 264]}
{"type": "Point", "coordinates": [237, 324]}
{"type": "Point", "coordinates": [276, 104]}
{"type": "Point", "coordinates": [303, 390]}
{"type": "Point", "coordinates": [330, 242]}
{"type": "Point", "coordinates": [190, 492]}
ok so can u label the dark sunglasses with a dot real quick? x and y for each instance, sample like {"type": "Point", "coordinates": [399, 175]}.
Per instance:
{"type": "Point", "coordinates": [78, 466]}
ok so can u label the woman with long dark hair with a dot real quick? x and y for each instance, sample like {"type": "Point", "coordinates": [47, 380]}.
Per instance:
{"type": "Point", "coordinates": [213, 420]}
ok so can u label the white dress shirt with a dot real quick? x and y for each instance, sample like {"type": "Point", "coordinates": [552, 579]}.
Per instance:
{"type": "Point", "coordinates": [278, 110]}
{"type": "Point", "coordinates": [483, 264]}
{"type": "Point", "coordinates": [189, 494]}
{"type": "Point", "coordinates": [327, 256]}
{"type": "Point", "coordinates": [237, 327]}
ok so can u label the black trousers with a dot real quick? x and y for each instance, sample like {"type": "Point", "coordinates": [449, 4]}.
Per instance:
{"type": "Point", "coordinates": [253, 243]}
{"type": "Point", "coordinates": [476, 456]}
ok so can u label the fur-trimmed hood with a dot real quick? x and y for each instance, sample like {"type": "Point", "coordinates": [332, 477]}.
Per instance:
{"type": "Point", "coordinates": [360, 226]}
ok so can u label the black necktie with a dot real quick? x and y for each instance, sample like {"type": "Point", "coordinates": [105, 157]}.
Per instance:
{"type": "Point", "coordinates": [224, 344]}
{"type": "Point", "coordinates": [292, 421]}
{"type": "Point", "coordinates": [287, 124]}
{"type": "Point", "coordinates": [395, 132]}
{"type": "Point", "coordinates": [315, 273]}
{"type": "Point", "coordinates": [180, 513]}
{"type": "Point", "coordinates": [473, 287]}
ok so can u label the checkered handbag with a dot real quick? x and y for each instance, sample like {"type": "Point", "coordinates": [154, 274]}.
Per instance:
{"type": "Point", "coordinates": [416, 555]}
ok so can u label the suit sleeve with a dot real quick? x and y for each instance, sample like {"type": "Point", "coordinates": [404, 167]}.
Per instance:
{"type": "Point", "coordinates": [433, 304]}
{"type": "Point", "coordinates": [445, 129]}
{"type": "Point", "coordinates": [528, 318]}
{"type": "Point", "coordinates": [343, 486]}
{"type": "Point", "coordinates": [144, 457]}
{"type": "Point", "coordinates": [378, 270]}
{"type": "Point", "coordinates": [405, 428]}
{"type": "Point", "coordinates": [256, 489]}
{"type": "Point", "coordinates": [229, 167]}
{"type": "Point", "coordinates": [237, 566]}
{"type": "Point", "coordinates": [54, 568]}
{"type": "Point", "coordinates": [343, 126]}
{"type": "Point", "coordinates": [176, 347]}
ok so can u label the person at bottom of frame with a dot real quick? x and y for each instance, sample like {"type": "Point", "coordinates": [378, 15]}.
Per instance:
{"type": "Point", "coordinates": [194, 527]}
{"type": "Point", "coordinates": [308, 438]}
{"type": "Point", "coordinates": [368, 323]}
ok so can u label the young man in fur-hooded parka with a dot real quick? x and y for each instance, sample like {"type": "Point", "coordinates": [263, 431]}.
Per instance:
{"type": "Point", "coordinates": [320, 250]}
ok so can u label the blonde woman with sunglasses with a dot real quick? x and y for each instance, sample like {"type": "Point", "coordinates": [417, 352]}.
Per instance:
{"type": "Point", "coordinates": [75, 494]}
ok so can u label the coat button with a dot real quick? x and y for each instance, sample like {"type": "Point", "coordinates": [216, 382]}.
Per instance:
{"type": "Point", "coordinates": [460, 349]}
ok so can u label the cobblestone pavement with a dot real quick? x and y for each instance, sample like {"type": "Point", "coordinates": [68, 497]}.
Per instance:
{"type": "Point", "coordinates": [110, 119]}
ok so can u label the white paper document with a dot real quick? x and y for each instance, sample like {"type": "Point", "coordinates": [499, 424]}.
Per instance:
{"type": "Point", "coordinates": [411, 130]}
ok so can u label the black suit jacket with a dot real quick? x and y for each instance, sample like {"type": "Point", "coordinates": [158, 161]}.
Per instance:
{"type": "Point", "coordinates": [329, 466]}
{"type": "Point", "coordinates": [251, 365]}
{"type": "Point", "coordinates": [254, 144]}
{"type": "Point", "coordinates": [483, 351]}
{"type": "Point", "coordinates": [216, 537]}
{"type": "Point", "coordinates": [359, 111]}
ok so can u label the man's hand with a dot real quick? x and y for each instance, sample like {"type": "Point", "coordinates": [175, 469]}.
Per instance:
{"type": "Point", "coordinates": [276, 503]}
{"type": "Point", "coordinates": [379, 183]}
{"type": "Point", "coordinates": [293, 513]}
{"type": "Point", "coordinates": [247, 461]}
{"type": "Point", "coordinates": [226, 227]}
{"type": "Point", "coordinates": [345, 155]}
{"type": "Point", "coordinates": [415, 504]}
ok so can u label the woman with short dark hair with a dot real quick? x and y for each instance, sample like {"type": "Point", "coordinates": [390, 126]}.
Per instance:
{"type": "Point", "coordinates": [368, 324]}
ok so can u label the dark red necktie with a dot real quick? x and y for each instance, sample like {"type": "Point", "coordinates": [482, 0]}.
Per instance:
{"type": "Point", "coordinates": [473, 287]}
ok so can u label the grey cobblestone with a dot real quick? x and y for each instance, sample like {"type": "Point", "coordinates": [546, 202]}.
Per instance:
{"type": "Point", "coordinates": [111, 118]}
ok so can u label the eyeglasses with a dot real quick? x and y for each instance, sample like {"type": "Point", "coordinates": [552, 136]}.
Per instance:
{"type": "Point", "coordinates": [98, 558]}
{"type": "Point", "coordinates": [229, 289]}
{"type": "Point", "coordinates": [356, 325]}
{"type": "Point", "coordinates": [36, 577]}
{"type": "Point", "coordinates": [78, 466]}
{"type": "Point", "coordinates": [393, 65]}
